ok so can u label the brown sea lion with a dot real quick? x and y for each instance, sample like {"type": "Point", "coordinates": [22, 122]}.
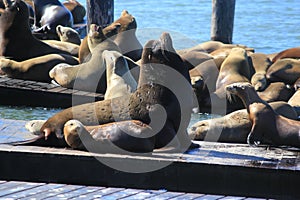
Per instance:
{"type": "Point", "coordinates": [194, 58]}
{"type": "Point", "coordinates": [209, 47]}
{"type": "Point", "coordinates": [284, 70]}
{"type": "Point", "coordinates": [260, 63]}
{"type": "Point", "coordinates": [48, 14]}
{"type": "Point", "coordinates": [68, 34]}
{"type": "Point", "coordinates": [84, 51]}
{"type": "Point", "coordinates": [120, 82]}
{"type": "Point", "coordinates": [36, 69]}
{"type": "Point", "coordinates": [288, 53]}
{"type": "Point", "coordinates": [77, 9]}
{"type": "Point", "coordinates": [277, 91]}
{"type": "Point", "coordinates": [132, 136]}
{"type": "Point", "coordinates": [126, 38]}
{"type": "Point", "coordinates": [233, 127]}
{"type": "Point", "coordinates": [166, 107]}
{"type": "Point", "coordinates": [88, 76]}
{"type": "Point", "coordinates": [295, 101]}
{"type": "Point", "coordinates": [235, 68]}
{"type": "Point", "coordinates": [268, 127]}
{"type": "Point", "coordinates": [16, 39]}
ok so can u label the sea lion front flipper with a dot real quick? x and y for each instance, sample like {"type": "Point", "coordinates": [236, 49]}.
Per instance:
{"type": "Point", "coordinates": [253, 139]}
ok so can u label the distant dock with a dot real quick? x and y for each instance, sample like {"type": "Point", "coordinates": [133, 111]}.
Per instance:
{"type": "Point", "coordinates": [17, 92]}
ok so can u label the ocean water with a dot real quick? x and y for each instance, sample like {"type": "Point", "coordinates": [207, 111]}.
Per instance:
{"type": "Point", "coordinates": [266, 25]}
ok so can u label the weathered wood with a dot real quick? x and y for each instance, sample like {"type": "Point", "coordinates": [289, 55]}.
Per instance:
{"type": "Point", "coordinates": [100, 12]}
{"type": "Point", "coordinates": [16, 92]}
{"type": "Point", "coordinates": [222, 20]}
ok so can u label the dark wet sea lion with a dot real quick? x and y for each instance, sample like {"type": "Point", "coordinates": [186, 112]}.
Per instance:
{"type": "Point", "coordinates": [16, 39]}
{"type": "Point", "coordinates": [36, 69]}
{"type": "Point", "coordinates": [132, 136]}
{"type": "Point", "coordinates": [48, 14]}
{"type": "Point", "coordinates": [268, 127]}
{"type": "Point", "coordinates": [166, 110]}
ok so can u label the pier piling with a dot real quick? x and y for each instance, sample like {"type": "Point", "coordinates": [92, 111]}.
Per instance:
{"type": "Point", "coordinates": [222, 20]}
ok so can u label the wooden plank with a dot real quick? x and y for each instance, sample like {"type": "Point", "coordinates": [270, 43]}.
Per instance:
{"type": "Point", "coordinates": [168, 195]}
{"type": "Point", "coordinates": [210, 197]}
{"type": "Point", "coordinates": [127, 193]}
{"type": "Point", "coordinates": [55, 192]}
{"type": "Point", "coordinates": [145, 194]}
{"type": "Point", "coordinates": [14, 186]}
{"type": "Point", "coordinates": [232, 198]}
{"type": "Point", "coordinates": [187, 196]}
{"type": "Point", "coordinates": [33, 191]}
{"type": "Point", "coordinates": [99, 193]}
{"type": "Point", "coordinates": [76, 194]}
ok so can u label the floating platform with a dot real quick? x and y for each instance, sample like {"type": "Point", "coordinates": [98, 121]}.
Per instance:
{"type": "Point", "coordinates": [215, 168]}
{"type": "Point", "coordinates": [16, 92]}
{"type": "Point", "coordinates": [34, 190]}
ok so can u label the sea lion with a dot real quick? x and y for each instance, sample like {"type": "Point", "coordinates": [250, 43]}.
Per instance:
{"type": "Point", "coordinates": [131, 135]}
{"type": "Point", "coordinates": [268, 127]}
{"type": "Point", "coordinates": [16, 39]}
{"type": "Point", "coordinates": [204, 77]}
{"type": "Point", "coordinates": [209, 47]}
{"type": "Point", "coordinates": [77, 9]}
{"type": "Point", "coordinates": [120, 82]}
{"type": "Point", "coordinates": [235, 68]}
{"type": "Point", "coordinates": [194, 58]}
{"type": "Point", "coordinates": [88, 76]}
{"type": "Point", "coordinates": [48, 14]}
{"type": "Point", "coordinates": [295, 101]}
{"type": "Point", "coordinates": [126, 38]}
{"type": "Point", "coordinates": [68, 34]}
{"type": "Point", "coordinates": [277, 91]}
{"type": "Point", "coordinates": [71, 48]}
{"type": "Point", "coordinates": [167, 110]}
{"type": "Point", "coordinates": [260, 63]}
{"type": "Point", "coordinates": [84, 51]}
{"type": "Point", "coordinates": [284, 70]}
{"type": "Point", "coordinates": [233, 127]}
{"type": "Point", "coordinates": [36, 69]}
{"type": "Point", "coordinates": [288, 53]}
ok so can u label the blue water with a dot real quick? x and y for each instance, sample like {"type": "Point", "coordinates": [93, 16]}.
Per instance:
{"type": "Point", "coordinates": [268, 26]}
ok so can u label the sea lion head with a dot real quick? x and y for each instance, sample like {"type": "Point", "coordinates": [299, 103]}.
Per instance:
{"type": "Point", "coordinates": [57, 73]}
{"type": "Point", "coordinates": [111, 29]}
{"type": "Point", "coordinates": [15, 17]}
{"type": "Point", "coordinates": [72, 130]}
{"type": "Point", "coordinates": [67, 34]}
{"type": "Point", "coordinates": [127, 21]}
{"type": "Point", "coordinates": [95, 36]}
{"type": "Point", "coordinates": [162, 52]}
{"type": "Point", "coordinates": [259, 81]}
{"type": "Point", "coordinates": [239, 87]}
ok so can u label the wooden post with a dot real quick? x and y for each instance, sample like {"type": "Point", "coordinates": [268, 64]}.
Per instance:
{"type": "Point", "coordinates": [100, 12]}
{"type": "Point", "coordinates": [222, 20]}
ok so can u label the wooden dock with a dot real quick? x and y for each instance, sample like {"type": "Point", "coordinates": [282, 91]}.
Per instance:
{"type": "Point", "coordinates": [16, 92]}
{"type": "Point", "coordinates": [215, 168]}
{"type": "Point", "coordinates": [34, 190]}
